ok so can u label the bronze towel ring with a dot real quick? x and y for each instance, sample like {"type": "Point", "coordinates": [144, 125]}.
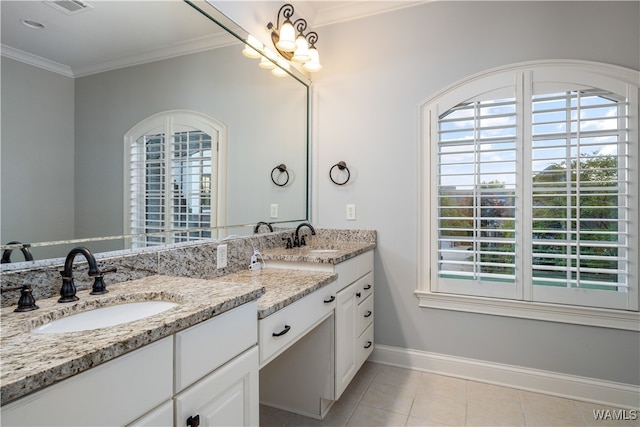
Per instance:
{"type": "Point", "coordinates": [341, 166]}
{"type": "Point", "coordinates": [283, 170]}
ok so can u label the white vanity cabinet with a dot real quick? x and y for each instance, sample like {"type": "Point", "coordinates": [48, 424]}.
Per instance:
{"type": "Point", "coordinates": [314, 372]}
{"type": "Point", "coordinates": [113, 393]}
{"type": "Point", "coordinates": [208, 371]}
{"type": "Point", "coordinates": [354, 319]}
{"type": "Point", "coordinates": [216, 373]}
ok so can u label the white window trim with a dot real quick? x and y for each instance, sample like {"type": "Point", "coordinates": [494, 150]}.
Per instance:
{"type": "Point", "coordinates": [608, 318]}
{"type": "Point", "coordinates": [179, 116]}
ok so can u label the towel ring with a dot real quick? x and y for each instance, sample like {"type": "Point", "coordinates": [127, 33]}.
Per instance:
{"type": "Point", "coordinates": [341, 166]}
{"type": "Point", "coordinates": [283, 169]}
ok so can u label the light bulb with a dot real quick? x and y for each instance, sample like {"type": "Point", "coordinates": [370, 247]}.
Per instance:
{"type": "Point", "coordinates": [301, 53]}
{"type": "Point", "coordinates": [250, 49]}
{"type": "Point", "coordinates": [279, 71]}
{"type": "Point", "coordinates": [313, 64]}
{"type": "Point", "coordinates": [265, 61]}
{"type": "Point", "coordinates": [287, 41]}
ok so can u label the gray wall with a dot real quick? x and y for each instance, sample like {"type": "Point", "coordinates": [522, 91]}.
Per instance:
{"type": "Point", "coordinates": [377, 70]}
{"type": "Point", "coordinates": [37, 155]}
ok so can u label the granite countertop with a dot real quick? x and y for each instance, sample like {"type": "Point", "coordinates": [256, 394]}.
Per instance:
{"type": "Point", "coordinates": [29, 361]}
{"type": "Point", "coordinates": [320, 251]}
{"type": "Point", "coordinates": [282, 286]}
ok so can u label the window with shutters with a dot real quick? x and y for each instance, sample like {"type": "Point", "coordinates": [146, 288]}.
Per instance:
{"type": "Point", "coordinates": [529, 185]}
{"type": "Point", "coordinates": [174, 176]}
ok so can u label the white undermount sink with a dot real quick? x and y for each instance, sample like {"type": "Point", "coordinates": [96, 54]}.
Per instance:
{"type": "Point", "coordinates": [105, 317]}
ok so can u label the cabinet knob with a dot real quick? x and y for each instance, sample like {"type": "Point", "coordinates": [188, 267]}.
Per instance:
{"type": "Point", "coordinates": [358, 294]}
{"type": "Point", "coordinates": [193, 421]}
{"type": "Point", "coordinates": [366, 288]}
{"type": "Point", "coordinates": [368, 313]}
{"type": "Point", "coordinates": [286, 329]}
{"type": "Point", "coordinates": [368, 344]}
{"type": "Point", "coordinates": [330, 300]}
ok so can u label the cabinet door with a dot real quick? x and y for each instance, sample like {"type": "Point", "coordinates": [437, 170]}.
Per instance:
{"type": "Point", "coordinates": [226, 397]}
{"type": "Point", "coordinates": [346, 334]}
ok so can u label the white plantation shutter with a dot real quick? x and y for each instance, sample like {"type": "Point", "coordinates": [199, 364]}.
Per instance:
{"type": "Point", "coordinates": [533, 189]}
{"type": "Point", "coordinates": [476, 164]}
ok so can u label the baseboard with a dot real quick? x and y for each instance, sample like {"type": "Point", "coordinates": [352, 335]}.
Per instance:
{"type": "Point", "coordinates": [619, 395]}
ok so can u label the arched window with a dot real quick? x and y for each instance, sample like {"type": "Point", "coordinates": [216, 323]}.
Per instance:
{"type": "Point", "coordinates": [530, 190]}
{"type": "Point", "coordinates": [175, 186]}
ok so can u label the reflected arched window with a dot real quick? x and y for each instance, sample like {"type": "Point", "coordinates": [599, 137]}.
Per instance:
{"type": "Point", "coordinates": [175, 178]}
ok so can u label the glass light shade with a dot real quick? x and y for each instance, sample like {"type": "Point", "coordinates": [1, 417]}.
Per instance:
{"type": "Point", "coordinates": [265, 62]}
{"type": "Point", "coordinates": [287, 40]}
{"type": "Point", "coordinates": [313, 64]}
{"type": "Point", "coordinates": [301, 53]}
{"type": "Point", "coordinates": [250, 48]}
{"type": "Point", "coordinates": [280, 70]}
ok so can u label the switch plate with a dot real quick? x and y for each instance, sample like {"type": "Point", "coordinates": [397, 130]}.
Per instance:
{"type": "Point", "coordinates": [274, 210]}
{"type": "Point", "coordinates": [221, 254]}
{"type": "Point", "coordinates": [351, 212]}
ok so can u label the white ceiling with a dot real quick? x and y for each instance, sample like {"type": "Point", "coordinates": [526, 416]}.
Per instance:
{"type": "Point", "coordinates": [112, 33]}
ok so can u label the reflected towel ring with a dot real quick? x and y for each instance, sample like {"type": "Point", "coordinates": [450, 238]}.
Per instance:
{"type": "Point", "coordinates": [283, 169]}
{"type": "Point", "coordinates": [341, 166]}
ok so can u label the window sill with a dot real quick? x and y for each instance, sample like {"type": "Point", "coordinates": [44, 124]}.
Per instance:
{"type": "Point", "coordinates": [587, 316]}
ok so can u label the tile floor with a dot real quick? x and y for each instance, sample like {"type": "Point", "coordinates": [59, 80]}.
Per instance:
{"type": "Point", "coordinates": [382, 395]}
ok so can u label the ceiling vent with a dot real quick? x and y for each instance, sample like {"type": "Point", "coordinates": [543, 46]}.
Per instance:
{"type": "Point", "coordinates": [69, 7]}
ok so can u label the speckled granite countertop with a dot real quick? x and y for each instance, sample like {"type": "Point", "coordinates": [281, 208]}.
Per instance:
{"type": "Point", "coordinates": [282, 286]}
{"type": "Point", "coordinates": [318, 250]}
{"type": "Point", "coordinates": [29, 362]}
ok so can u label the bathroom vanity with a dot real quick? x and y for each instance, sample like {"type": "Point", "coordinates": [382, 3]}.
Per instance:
{"type": "Point", "coordinates": [301, 328]}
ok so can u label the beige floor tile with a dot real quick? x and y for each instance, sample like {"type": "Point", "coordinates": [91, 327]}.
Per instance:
{"type": "Point", "coordinates": [540, 409]}
{"type": "Point", "coordinates": [607, 415]}
{"type": "Point", "coordinates": [365, 416]}
{"type": "Point", "coordinates": [444, 408]}
{"type": "Point", "coordinates": [486, 413]}
{"type": "Point", "coordinates": [272, 417]}
{"type": "Point", "coordinates": [388, 397]}
{"type": "Point", "coordinates": [419, 422]}
{"type": "Point", "coordinates": [454, 388]}
{"type": "Point", "coordinates": [406, 378]}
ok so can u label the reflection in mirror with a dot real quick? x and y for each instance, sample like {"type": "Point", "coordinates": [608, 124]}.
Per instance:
{"type": "Point", "coordinates": [67, 169]}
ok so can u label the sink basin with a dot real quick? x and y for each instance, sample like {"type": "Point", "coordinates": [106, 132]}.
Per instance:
{"type": "Point", "coordinates": [105, 317]}
{"type": "Point", "coordinates": [322, 251]}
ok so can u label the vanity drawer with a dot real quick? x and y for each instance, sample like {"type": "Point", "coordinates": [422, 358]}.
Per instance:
{"type": "Point", "coordinates": [364, 346]}
{"type": "Point", "coordinates": [352, 269]}
{"type": "Point", "coordinates": [365, 286]}
{"type": "Point", "coordinates": [280, 330]}
{"type": "Point", "coordinates": [365, 314]}
{"type": "Point", "coordinates": [208, 345]}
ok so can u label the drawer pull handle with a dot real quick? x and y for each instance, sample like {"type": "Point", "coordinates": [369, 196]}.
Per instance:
{"type": "Point", "coordinates": [358, 294]}
{"type": "Point", "coordinates": [368, 313]}
{"type": "Point", "coordinates": [193, 421]}
{"type": "Point", "coordinates": [330, 300]}
{"type": "Point", "coordinates": [368, 344]}
{"type": "Point", "coordinates": [366, 288]}
{"type": "Point", "coordinates": [286, 329]}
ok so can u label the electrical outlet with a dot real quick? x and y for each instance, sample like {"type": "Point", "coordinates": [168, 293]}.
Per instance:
{"type": "Point", "coordinates": [351, 212]}
{"type": "Point", "coordinates": [274, 210]}
{"type": "Point", "coordinates": [221, 261]}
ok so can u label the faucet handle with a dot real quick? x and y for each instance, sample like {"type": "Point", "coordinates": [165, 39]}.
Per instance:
{"type": "Point", "coordinates": [99, 286]}
{"type": "Point", "coordinates": [26, 302]}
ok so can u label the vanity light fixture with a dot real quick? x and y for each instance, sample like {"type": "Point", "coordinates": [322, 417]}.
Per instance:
{"type": "Point", "coordinates": [290, 41]}
{"type": "Point", "coordinates": [298, 47]}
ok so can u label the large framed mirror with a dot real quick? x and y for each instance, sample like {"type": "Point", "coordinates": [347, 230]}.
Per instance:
{"type": "Point", "coordinates": [79, 79]}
